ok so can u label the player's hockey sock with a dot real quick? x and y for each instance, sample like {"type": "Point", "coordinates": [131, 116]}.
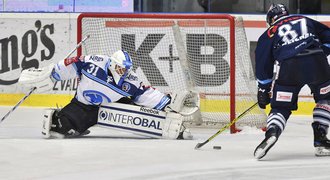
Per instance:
{"type": "Point", "coordinates": [271, 136]}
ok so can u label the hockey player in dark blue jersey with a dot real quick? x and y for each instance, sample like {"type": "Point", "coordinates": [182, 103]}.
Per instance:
{"type": "Point", "coordinates": [298, 47]}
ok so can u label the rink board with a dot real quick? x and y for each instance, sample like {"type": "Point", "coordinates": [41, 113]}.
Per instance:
{"type": "Point", "coordinates": [60, 100]}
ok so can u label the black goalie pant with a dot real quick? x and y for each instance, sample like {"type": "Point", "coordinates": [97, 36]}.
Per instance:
{"type": "Point", "coordinates": [78, 115]}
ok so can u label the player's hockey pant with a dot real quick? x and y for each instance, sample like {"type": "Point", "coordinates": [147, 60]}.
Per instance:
{"type": "Point", "coordinates": [311, 69]}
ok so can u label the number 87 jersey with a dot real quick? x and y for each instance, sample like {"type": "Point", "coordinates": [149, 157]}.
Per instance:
{"type": "Point", "coordinates": [287, 37]}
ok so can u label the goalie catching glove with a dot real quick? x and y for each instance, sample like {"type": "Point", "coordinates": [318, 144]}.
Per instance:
{"type": "Point", "coordinates": [185, 103]}
{"type": "Point", "coordinates": [40, 78]}
{"type": "Point", "coordinates": [43, 78]}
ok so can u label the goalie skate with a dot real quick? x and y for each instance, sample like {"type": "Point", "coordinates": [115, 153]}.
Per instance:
{"type": "Point", "coordinates": [50, 125]}
{"type": "Point", "coordinates": [185, 133]}
{"type": "Point", "coordinates": [71, 134]}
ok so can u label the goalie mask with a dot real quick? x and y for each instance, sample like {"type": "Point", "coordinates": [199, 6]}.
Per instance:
{"type": "Point", "coordinates": [275, 12]}
{"type": "Point", "coordinates": [120, 66]}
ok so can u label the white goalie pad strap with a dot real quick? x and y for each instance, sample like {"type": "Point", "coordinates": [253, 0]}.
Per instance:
{"type": "Point", "coordinates": [134, 119]}
{"type": "Point", "coordinates": [184, 102]}
{"type": "Point", "coordinates": [39, 78]}
{"type": "Point", "coordinates": [172, 125]}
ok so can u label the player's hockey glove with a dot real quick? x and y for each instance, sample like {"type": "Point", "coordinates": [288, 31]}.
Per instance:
{"type": "Point", "coordinates": [263, 97]}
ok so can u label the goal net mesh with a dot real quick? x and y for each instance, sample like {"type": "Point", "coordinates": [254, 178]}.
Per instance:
{"type": "Point", "coordinates": [174, 53]}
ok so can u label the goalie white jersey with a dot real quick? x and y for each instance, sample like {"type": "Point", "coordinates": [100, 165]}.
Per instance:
{"type": "Point", "coordinates": [97, 85]}
{"type": "Point", "coordinates": [104, 80]}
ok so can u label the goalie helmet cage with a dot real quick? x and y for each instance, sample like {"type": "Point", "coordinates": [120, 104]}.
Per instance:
{"type": "Point", "coordinates": [206, 53]}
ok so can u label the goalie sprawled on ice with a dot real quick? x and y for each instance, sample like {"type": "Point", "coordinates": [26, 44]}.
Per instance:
{"type": "Point", "coordinates": [105, 95]}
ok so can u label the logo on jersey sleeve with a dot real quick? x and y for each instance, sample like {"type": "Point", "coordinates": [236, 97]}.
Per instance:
{"type": "Point", "coordinates": [126, 87]}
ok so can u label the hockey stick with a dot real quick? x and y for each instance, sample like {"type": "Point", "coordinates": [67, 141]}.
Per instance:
{"type": "Point", "coordinates": [199, 145]}
{"type": "Point", "coordinates": [78, 45]}
{"type": "Point", "coordinates": [20, 102]}
{"type": "Point", "coordinates": [34, 88]}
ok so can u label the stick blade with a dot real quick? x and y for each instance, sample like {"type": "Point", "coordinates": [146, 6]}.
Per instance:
{"type": "Point", "coordinates": [199, 145]}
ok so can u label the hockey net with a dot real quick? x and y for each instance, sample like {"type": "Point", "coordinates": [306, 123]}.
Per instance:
{"type": "Point", "coordinates": [205, 53]}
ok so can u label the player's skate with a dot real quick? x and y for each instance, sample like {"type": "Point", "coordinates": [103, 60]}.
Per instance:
{"type": "Point", "coordinates": [52, 127]}
{"type": "Point", "coordinates": [271, 136]}
{"type": "Point", "coordinates": [321, 142]}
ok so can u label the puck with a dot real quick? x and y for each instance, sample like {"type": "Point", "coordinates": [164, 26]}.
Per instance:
{"type": "Point", "coordinates": [217, 147]}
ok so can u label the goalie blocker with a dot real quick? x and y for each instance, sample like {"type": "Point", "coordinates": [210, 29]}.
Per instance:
{"type": "Point", "coordinates": [143, 121]}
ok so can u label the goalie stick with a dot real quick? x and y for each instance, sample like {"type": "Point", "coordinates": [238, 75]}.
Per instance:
{"type": "Point", "coordinates": [199, 145]}
{"type": "Point", "coordinates": [20, 102]}
{"type": "Point", "coordinates": [34, 88]}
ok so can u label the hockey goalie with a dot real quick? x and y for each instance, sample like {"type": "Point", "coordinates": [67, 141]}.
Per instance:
{"type": "Point", "coordinates": [110, 94]}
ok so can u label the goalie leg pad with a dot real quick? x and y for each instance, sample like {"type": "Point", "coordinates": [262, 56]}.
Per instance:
{"type": "Point", "coordinates": [172, 125]}
{"type": "Point", "coordinates": [47, 122]}
{"type": "Point", "coordinates": [174, 128]}
{"type": "Point", "coordinates": [52, 126]}
{"type": "Point", "coordinates": [141, 120]}
{"type": "Point", "coordinates": [131, 118]}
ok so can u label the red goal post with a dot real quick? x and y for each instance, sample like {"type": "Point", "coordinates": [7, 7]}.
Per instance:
{"type": "Point", "coordinates": [207, 53]}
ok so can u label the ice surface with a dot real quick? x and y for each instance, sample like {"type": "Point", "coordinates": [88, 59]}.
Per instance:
{"type": "Point", "coordinates": [108, 154]}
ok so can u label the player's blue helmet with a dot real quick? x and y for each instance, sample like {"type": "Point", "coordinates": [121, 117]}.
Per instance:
{"type": "Point", "coordinates": [120, 66]}
{"type": "Point", "coordinates": [275, 12]}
